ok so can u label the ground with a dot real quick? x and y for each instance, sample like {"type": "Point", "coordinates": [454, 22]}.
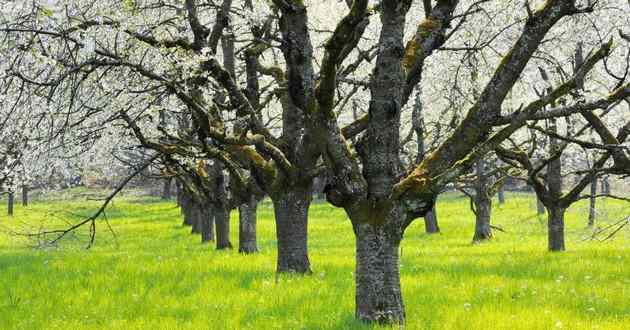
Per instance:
{"type": "Point", "coordinates": [154, 275]}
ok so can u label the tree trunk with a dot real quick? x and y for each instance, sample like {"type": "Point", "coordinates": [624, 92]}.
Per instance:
{"type": "Point", "coordinates": [222, 221]}
{"type": "Point", "coordinates": [431, 222]}
{"type": "Point", "coordinates": [483, 208]}
{"type": "Point", "coordinates": [166, 191]}
{"type": "Point", "coordinates": [24, 195]}
{"type": "Point", "coordinates": [207, 224]}
{"type": "Point", "coordinates": [501, 196]}
{"type": "Point", "coordinates": [540, 207]}
{"type": "Point", "coordinates": [556, 229]}
{"type": "Point", "coordinates": [186, 209]}
{"type": "Point", "coordinates": [247, 226]}
{"type": "Point", "coordinates": [195, 218]}
{"type": "Point", "coordinates": [377, 276]}
{"type": "Point", "coordinates": [592, 201]}
{"type": "Point", "coordinates": [291, 212]}
{"type": "Point", "coordinates": [10, 204]}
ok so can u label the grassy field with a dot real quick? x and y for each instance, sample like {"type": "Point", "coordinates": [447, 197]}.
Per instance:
{"type": "Point", "coordinates": [154, 275]}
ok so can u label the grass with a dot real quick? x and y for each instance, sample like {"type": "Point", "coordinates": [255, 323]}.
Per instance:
{"type": "Point", "coordinates": [154, 274]}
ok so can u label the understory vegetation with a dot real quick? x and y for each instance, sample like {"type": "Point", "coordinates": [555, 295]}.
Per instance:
{"type": "Point", "coordinates": [151, 273]}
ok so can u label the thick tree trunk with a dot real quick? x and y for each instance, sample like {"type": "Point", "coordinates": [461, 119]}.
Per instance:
{"type": "Point", "coordinates": [195, 218]}
{"type": "Point", "coordinates": [247, 226]}
{"type": "Point", "coordinates": [431, 222]}
{"type": "Point", "coordinates": [186, 209]}
{"type": "Point", "coordinates": [592, 201]}
{"type": "Point", "coordinates": [483, 208]}
{"type": "Point", "coordinates": [222, 221]}
{"type": "Point", "coordinates": [166, 190]}
{"type": "Point", "coordinates": [377, 276]}
{"type": "Point", "coordinates": [207, 224]}
{"type": "Point", "coordinates": [555, 227]}
{"type": "Point", "coordinates": [24, 195]}
{"type": "Point", "coordinates": [291, 212]}
{"type": "Point", "coordinates": [10, 203]}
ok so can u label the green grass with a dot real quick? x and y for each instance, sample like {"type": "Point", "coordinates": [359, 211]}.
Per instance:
{"type": "Point", "coordinates": [155, 275]}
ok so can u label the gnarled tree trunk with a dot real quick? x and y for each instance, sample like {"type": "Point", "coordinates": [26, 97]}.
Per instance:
{"type": "Point", "coordinates": [291, 212]}
{"type": "Point", "coordinates": [377, 275]}
{"type": "Point", "coordinates": [247, 226]}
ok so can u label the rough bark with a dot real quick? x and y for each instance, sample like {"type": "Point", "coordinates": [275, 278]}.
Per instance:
{"type": "Point", "coordinates": [291, 212]}
{"type": "Point", "coordinates": [483, 204]}
{"type": "Point", "coordinates": [207, 224]}
{"type": "Point", "coordinates": [483, 209]}
{"type": "Point", "coordinates": [377, 276]}
{"type": "Point", "coordinates": [540, 207]}
{"type": "Point", "coordinates": [222, 221]}
{"type": "Point", "coordinates": [555, 228]}
{"type": "Point", "coordinates": [247, 227]}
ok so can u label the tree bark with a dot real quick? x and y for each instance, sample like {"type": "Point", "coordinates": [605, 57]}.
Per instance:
{"type": "Point", "coordinates": [207, 224]}
{"type": "Point", "coordinates": [377, 276]}
{"type": "Point", "coordinates": [483, 204]}
{"type": "Point", "coordinates": [25, 195]}
{"type": "Point", "coordinates": [592, 202]}
{"type": "Point", "coordinates": [247, 226]}
{"type": "Point", "coordinates": [540, 207]}
{"type": "Point", "coordinates": [483, 208]}
{"type": "Point", "coordinates": [501, 196]}
{"type": "Point", "coordinates": [291, 212]}
{"type": "Point", "coordinates": [431, 222]}
{"type": "Point", "coordinates": [195, 218]}
{"type": "Point", "coordinates": [10, 203]}
{"type": "Point", "coordinates": [222, 221]}
{"type": "Point", "coordinates": [555, 226]}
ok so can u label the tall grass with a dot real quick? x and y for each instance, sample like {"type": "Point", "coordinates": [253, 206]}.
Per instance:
{"type": "Point", "coordinates": [152, 274]}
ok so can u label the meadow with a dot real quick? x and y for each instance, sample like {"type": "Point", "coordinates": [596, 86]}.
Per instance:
{"type": "Point", "coordinates": [152, 274]}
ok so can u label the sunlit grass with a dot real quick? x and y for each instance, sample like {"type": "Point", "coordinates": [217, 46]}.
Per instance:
{"type": "Point", "coordinates": [154, 275]}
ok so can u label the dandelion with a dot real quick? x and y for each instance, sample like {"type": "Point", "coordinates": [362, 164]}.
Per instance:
{"type": "Point", "coordinates": [559, 325]}
{"type": "Point", "coordinates": [467, 306]}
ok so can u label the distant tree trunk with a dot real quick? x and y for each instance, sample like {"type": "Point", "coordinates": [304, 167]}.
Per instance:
{"type": "Point", "coordinates": [431, 222]}
{"type": "Point", "coordinates": [556, 229]}
{"type": "Point", "coordinates": [10, 203]}
{"type": "Point", "coordinates": [247, 226]}
{"type": "Point", "coordinates": [24, 195]}
{"type": "Point", "coordinates": [377, 276]}
{"type": "Point", "coordinates": [207, 224]}
{"type": "Point", "coordinates": [483, 205]}
{"type": "Point", "coordinates": [222, 222]}
{"type": "Point", "coordinates": [592, 201]}
{"type": "Point", "coordinates": [291, 212]}
{"type": "Point", "coordinates": [605, 186]}
{"type": "Point", "coordinates": [417, 121]}
{"type": "Point", "coordinates": [166, 191]}
{"type": "Point", "coordinates": [501, 195]}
